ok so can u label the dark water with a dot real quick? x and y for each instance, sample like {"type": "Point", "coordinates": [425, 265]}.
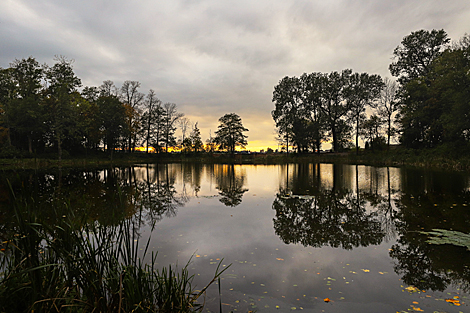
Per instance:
{"type": "Point", "coordinates": [294, 234]}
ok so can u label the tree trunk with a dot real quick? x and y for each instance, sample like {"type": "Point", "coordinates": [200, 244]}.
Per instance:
{"type": "Point", "coordinates": [389, 131]}
{"type": "Point", "coordinates": [335, 139]}
{"type": "Point", "coordinates": [59, 147]}
{"type": "Point", "coordinates": [357, 135]}
{"type": "Point", "coordinates": [287, 141]}
{"type": "Point", "coordinates": [30, 144]}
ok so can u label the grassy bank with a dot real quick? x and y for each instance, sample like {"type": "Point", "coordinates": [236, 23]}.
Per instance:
{"type": "Point", "coordinates": [393, 157]}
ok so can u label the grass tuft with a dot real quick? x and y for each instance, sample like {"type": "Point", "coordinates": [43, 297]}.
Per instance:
{"type": "Point", "coordinates": [75, 266]}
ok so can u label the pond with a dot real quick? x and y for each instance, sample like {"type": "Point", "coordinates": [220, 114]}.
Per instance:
{"type": "Point", "coordinates": [297, 237]}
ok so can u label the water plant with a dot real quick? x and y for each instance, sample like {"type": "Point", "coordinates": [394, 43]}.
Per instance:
{"type": "Point", "coordinates": [75, 265]}
{"type": "Point", "coordinates": [451, 237]}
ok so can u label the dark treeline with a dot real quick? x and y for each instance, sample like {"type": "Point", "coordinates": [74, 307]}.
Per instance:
{"type": "Point", "coordinates": [45, 109]}
{"type": "Point", "coordinates": [427, 107]}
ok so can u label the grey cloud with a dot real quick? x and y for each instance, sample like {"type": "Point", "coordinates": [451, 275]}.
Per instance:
{"type": "Point", "coordinates": [213, 57]}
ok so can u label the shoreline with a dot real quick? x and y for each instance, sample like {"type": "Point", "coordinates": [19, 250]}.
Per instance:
{"type": "Point", "coordinates": [397, 158]}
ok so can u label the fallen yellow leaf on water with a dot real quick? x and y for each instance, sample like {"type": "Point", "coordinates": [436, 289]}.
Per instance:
{"type": "Point", "coordinates": [418, 309]}
{"type": "Point", "coordinates": [366, 271]}
{"type": "Point", "coordinates": [279, 259]}
{"type": "Point", "coordinates": [326, 300]}
{"type": "Point", "coordinates": [412, 289]}
{"type": "Point", "coordinates": [453, 301]}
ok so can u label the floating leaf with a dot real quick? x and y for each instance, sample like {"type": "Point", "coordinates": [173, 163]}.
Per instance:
{"type": "Point", "coordinates": [412, 289]}
{"type": "Point", "coordinates": [443, 236]}
{"type": "Point", "coordinates": [327, 300]}
{"type": "Point", "coordinates": [453, 301]}
{"type": "Point", "coordinates": [279, 259]}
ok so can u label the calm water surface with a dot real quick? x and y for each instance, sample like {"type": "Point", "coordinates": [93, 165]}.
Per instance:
{"type": "Point", "coordinates": [294, 234]}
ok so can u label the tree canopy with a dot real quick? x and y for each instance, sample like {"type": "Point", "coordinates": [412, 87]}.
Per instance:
{"type": "Point", "coordinates": [428, 107]}
{"type": "Point", "coordinates": [230, 133]}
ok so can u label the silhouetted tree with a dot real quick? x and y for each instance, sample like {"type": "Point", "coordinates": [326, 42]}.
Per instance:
{"type": "Point", "coordinates": [230, 133]}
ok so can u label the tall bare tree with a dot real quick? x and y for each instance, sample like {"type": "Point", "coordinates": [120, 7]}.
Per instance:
{"type": "Point", "coordinates": [388, 105]}
{"type": "Point", "coordinates": [131, 97]}
{"type": "Point", "coordinates": [184, 123]}
{"type": "Point", "coordinates": [153, 112]}
{"type": "Point", "coordinates": [171, 116]}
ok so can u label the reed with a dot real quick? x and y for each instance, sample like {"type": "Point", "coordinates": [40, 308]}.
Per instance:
{"type": "Point", "coordinates": [75, 266]}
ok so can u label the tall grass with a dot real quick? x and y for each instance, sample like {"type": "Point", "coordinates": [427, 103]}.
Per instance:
{"type": "Point", "coordinates": [75, 266]}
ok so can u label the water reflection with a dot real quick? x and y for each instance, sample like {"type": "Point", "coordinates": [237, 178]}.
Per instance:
{"type": "Point", "coordinates": [332, 217]}
{"type": "Point", "coordinates": [352, 206]}
{"type": "Point", "coordinates": [315, 207]}
{"type": "Point", "coordinates": [158, 197]}
{"type": "Point", "coordinates": [431, 200]}
{"type": "Point", "coordinates": [231, 184]}
{"type": "Point", "coordinates": [106, 196]}
{"type": "Point", "coordinates": [349, 208]}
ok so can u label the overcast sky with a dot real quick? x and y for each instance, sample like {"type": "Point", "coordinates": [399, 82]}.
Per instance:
{"type": "Point", "coordinates": [213, 57]}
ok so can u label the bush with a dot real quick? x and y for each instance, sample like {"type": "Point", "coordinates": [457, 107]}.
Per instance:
{"type": "Point", "coordinates": [10, 152]}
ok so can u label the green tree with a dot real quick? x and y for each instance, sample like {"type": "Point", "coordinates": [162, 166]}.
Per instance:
{"type": "Point", "coordinates": [85, 132]}
{"type": "Point", "coordinates": [230, 133]}
{"type": "Point", "coordinates": [89, 113]}
{"type": "Point", "coordinates": [90, 94]}
{"type": "Point", "coordinates": [417, 51]}
{"type": "Point", "coordinates": [362, 90]}
{"type": "Point", "coordinates": [435, 107]}
{"type": "Point", "coordinates": [7, 94]}
{"type": "Point", "coordinates": [287, 98]}
{"type": "Point", "coordinates": [313, 98]}
{"type": "Point", "coordinates": [334, 107]}
{"type": "Point", "coordinates": [25, 114]}
{"type": "Point", "coordinates": [296, 112]}
{"type": "Point", "coordinates": [62, 83]}
{"type": "Point", "coordinates": [113, 121]}
{"type": "Point", "coordinates": [450, 87]}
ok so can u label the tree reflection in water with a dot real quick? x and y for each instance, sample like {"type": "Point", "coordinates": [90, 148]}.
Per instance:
{"type": "Point", "coordinates": [230, 185]}
{"type": "Point", "coordinates": [106, 196]}
{"type": "Point", "coordinates": [431, 200]}
{"type": "Point", "coordinates": [343, 206]}
{"type": "Point", "coordinates": [336, 217]}
{"type": "Point", "coordinates": [349, 209]}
